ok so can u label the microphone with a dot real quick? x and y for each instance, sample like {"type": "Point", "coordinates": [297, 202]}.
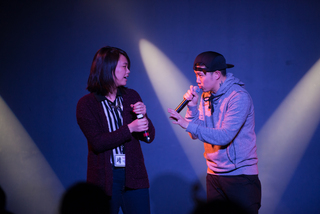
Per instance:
{"type": "Point", "coordinates": [185, 102]}
{"type": "Point", "coordinates": [145, 133]}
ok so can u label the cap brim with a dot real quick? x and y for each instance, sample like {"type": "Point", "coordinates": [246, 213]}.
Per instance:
{"type": "Point", "coordinates": [230, 66]}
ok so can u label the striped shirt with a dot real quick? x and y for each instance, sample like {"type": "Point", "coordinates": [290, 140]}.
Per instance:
{"type": "Point", "coordinates": [113, 112]}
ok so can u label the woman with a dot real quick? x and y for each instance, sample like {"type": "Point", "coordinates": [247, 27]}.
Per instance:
{"type": "Point", "coordinates": [108, 118]}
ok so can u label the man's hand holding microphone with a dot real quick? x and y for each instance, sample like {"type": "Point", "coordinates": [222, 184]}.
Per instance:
{"type": "Point", "coordinates": [191, 99]}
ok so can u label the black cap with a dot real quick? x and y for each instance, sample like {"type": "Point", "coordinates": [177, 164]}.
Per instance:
{"type": "Point", "coordinates": [212, 60]}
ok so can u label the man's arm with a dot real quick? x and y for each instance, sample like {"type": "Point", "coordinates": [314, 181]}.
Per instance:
{"type": "Point", "coordinates": [235, 115]}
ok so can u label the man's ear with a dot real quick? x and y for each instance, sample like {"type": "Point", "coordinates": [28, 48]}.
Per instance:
{"type": "Point", "coordinates": [217, 74]}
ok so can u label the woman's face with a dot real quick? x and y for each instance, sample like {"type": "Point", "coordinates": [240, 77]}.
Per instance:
{"type": "Point", "coordinates": [122, 71]}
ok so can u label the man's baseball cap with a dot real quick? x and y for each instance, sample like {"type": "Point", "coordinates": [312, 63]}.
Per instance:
{"type": "Point", "coordinates": [212, 60]}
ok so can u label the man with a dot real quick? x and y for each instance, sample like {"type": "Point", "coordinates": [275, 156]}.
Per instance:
{"type": "Point", "coordinates": [225, 123]}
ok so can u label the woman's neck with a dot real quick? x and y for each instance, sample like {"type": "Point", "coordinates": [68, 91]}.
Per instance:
{"type": "Point", "coordinates": [112, 95]}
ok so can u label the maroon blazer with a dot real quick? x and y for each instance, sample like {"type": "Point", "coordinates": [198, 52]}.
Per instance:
{"type": "Point", "coordinates": [93, 123]}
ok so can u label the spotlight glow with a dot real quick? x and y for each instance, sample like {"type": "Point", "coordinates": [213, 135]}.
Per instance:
{"type": "Point", "coordinates": [30, 184]}
{"type": "Point", "coordinates": [170, 85]}
{"type": "Point", "coordinates": [285, 137]}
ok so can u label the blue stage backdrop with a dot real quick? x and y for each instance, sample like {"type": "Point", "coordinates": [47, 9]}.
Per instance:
{"type": "Point", "coordinates": [45, 56]}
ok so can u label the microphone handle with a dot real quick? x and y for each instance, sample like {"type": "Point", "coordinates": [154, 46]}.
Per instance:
{"type": "Point", "coordinates": [145, 133]}
{"type": "Point", "coordinates": [185, 102]}
{"type": "Point", "coordinates": [182, 105]}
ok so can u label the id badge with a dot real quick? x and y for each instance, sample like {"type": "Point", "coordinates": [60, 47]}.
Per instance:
{"type": "Point", "coordinates": [120, 160]}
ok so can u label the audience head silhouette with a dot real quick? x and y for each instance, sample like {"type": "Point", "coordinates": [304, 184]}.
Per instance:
{"type": "Point", "coordinates": [84, 198]}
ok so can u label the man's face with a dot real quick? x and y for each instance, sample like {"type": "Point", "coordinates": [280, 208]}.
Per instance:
{"type": "Point", "coordinates": [205, 80]}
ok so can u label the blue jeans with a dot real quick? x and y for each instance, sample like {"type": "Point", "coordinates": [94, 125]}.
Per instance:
{"type": "Point", "coordinates": [241, 192]}
{"type": "Point", "coordinates": [131, 201]}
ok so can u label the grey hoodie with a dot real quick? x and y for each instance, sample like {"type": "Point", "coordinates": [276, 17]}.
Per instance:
{"type": "Point", "coordinates": [228, 133]}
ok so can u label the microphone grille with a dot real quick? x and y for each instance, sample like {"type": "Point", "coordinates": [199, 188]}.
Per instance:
{"type": "Point", "coordinates": [197, 89]}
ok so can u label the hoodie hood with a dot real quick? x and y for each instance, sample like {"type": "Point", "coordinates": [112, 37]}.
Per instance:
{"type": "Point", "coordinates": [228, 83]}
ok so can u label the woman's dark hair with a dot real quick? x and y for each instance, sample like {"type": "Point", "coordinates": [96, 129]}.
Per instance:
{"type": "Point", "coordinates": [103, 68]}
